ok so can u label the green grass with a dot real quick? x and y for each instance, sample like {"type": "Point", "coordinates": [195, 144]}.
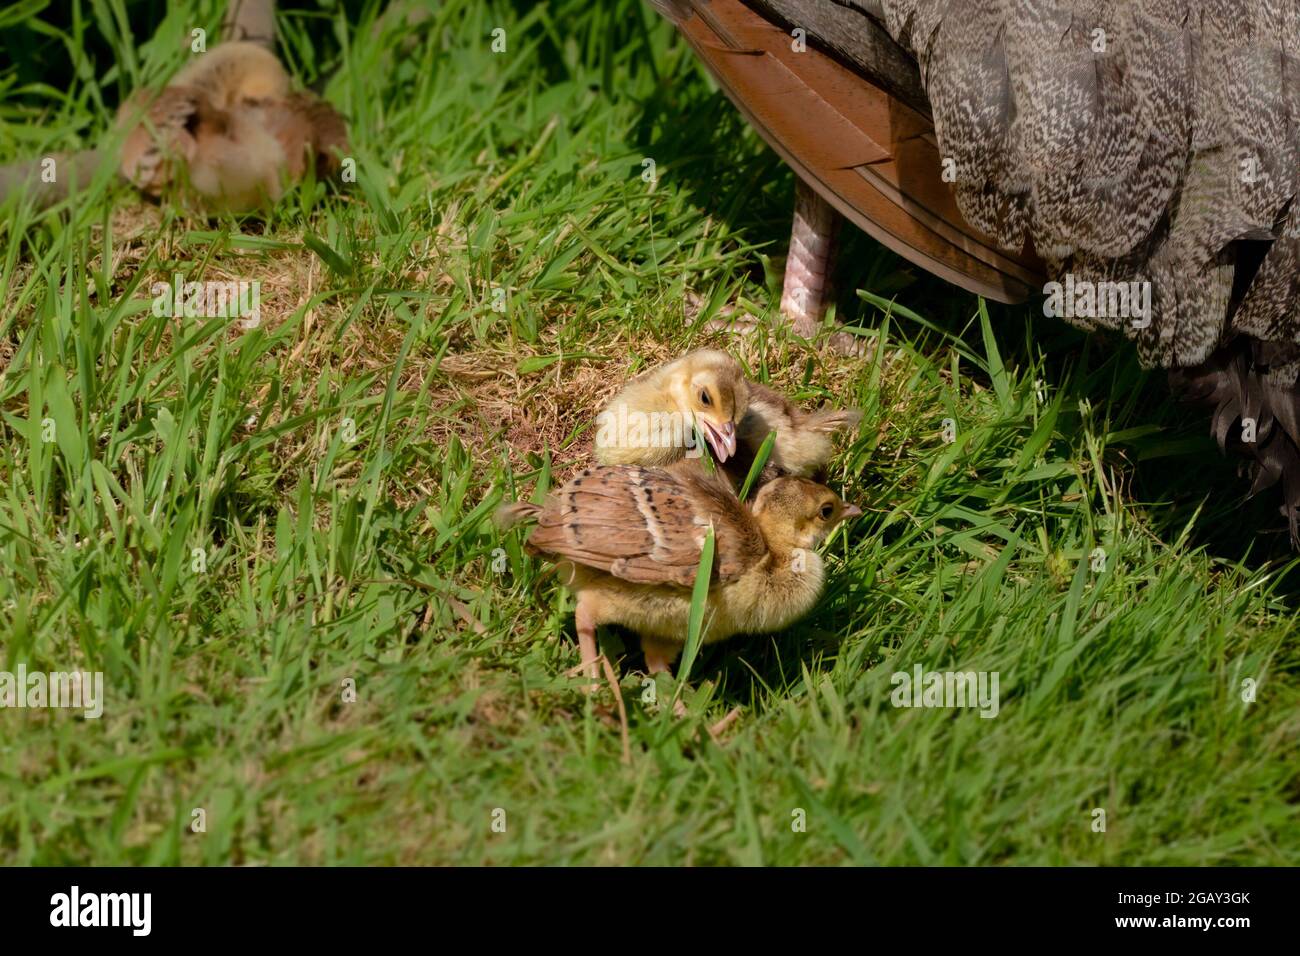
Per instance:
{"type": "Point", "coordinates": [338, 467]}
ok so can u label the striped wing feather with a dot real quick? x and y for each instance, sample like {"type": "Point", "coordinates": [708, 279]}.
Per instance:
{"type": "Point", "coordinates": [648, 525]}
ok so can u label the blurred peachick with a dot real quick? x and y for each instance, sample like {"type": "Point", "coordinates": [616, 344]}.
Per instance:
{"type": "Point", "coordinates": [232, 121]}
{"type": "Point", "coordinates": [1149, 146]}
{"type": "Point", "coordinates": [229, 126]}
{"type": "Point", "coordinates": [650, 421]}
{"type": "Point", "coordinates": [803, 439]}
{"type": "Point", "coordinates": [628, 542]}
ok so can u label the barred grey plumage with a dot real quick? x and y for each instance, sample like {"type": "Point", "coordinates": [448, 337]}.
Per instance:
{"type": "Point", "coordinates": [1131, 141]}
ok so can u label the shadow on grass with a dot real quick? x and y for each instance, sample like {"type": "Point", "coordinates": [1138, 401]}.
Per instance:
{"type": "Point", "coordinates": [743, 666]}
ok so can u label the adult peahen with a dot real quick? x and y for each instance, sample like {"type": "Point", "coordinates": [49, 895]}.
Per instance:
{"type": "Point", "coordinates": [1141, 153]}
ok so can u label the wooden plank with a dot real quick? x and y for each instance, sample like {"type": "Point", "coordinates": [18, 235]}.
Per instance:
{"type": "Point", "coordinates": [825, 121]}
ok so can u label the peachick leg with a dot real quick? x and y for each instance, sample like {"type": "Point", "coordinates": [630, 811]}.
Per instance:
{"type": "Point", "coordinates": [658, 655]}
{"type": "Point", "coordinates": [585, 620]}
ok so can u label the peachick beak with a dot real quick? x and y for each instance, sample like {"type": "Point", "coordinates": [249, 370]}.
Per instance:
{"type": "Point", "coordinates": [722, 441]}
{"type": "Point", "coordinates": [851, 511]}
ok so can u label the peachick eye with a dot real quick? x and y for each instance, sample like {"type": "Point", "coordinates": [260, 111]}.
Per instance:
{"type": "Point", "coordinates": [827, 511]}
{"type": "Point", "coordinates": [801, 445]}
